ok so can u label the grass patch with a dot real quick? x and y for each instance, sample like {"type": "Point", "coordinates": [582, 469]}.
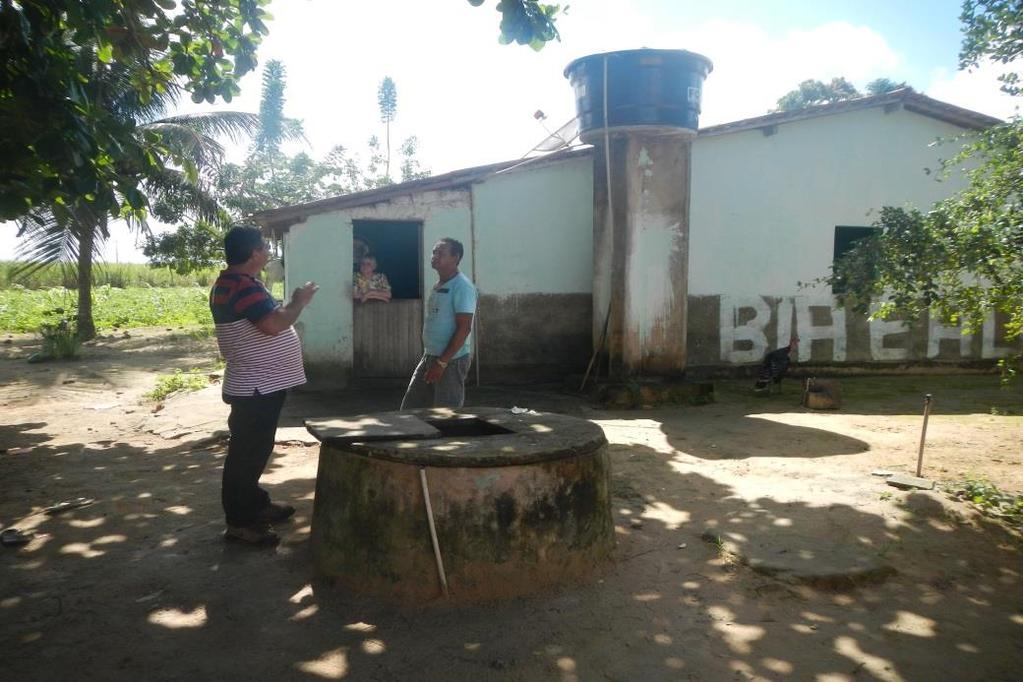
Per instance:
{"type": "Point", "coordinates": [989, 499]}
{"type": "Point", "coordinates": [179, 382]}
{"type": "Point", "coordinates": [25, 310]}
{"type": "Point", "coordinates": [119, 275]}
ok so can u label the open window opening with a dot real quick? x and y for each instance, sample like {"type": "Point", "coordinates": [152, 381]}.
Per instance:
{"type": "Point", "coordinates": [396, 248]}
{"type": "Point", "coordinates": [846, 237]}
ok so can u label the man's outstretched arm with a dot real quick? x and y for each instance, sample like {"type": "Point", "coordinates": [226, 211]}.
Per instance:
{"type": "Point", "coordinates": [282, 317]}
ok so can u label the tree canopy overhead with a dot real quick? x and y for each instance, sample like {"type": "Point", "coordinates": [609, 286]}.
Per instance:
{"type": "Point", "coordinates": [58, 146]}
{"type": "Point", "coordinates": [961, 260]}
{"type": "Point", "coordinates": [992, 31]}
{"type": "Point", "coordinates": [812, 92]}
{"type": "Point", "coordinates": [526, 22]}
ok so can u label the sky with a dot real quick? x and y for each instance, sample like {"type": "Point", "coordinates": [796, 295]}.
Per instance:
{"type": "Point", "coordinates": [471, 101]}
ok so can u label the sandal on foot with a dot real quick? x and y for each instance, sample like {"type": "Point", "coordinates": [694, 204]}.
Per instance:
{"type": "Point", "coordinates": [275, 513]}
{"type": "Point", "coordinates": [256, 534]}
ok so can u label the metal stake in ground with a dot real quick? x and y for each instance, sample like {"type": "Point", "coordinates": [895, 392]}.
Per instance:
{"type": "Point", "coordinates": [923, 434]}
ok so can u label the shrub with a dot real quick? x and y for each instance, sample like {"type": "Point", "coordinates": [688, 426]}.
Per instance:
{"type": "Point", "coordinates": [989, 499]}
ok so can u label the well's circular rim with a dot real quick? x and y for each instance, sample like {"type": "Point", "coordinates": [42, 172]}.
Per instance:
{"type": "Point", "coordinates": [535, 437]}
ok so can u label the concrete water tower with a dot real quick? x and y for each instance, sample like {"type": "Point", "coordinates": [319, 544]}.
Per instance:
{"type": "Point", "coordinates": [640, 109]}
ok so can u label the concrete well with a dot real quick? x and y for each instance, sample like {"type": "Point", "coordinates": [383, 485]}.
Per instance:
{"type": "Point", "coordinates": [520, 502]}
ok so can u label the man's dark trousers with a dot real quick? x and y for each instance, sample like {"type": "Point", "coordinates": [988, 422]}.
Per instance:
{"type": "Point", "coordinates": [253, 425]}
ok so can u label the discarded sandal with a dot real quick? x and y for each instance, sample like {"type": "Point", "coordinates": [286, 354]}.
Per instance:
{"type": "Point", "coordinates": [12, 537]}
{"type": "Point", "coordinates": [68, 505]}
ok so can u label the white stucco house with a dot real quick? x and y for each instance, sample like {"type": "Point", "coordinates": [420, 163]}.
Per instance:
{"type": "Point", "coordinates": [773, 200]}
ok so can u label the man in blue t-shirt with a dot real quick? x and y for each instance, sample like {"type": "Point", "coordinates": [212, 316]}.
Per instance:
{"type": "Point", "coordinates": [439, 378]}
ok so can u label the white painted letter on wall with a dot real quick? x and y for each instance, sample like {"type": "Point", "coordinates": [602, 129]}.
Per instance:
{"type": "Point", "coordinates": [809, 332]}
{"type": "Point", "coordinates": [752, 330]}
{"type": "Point", "coordinates": [936, 332]}
{"type": "Point", "coordinates": [988, 349]}
{"type": "Point", "coordinates": [784, 335]}
{"type": "Point", "coordinates": [879, 329]}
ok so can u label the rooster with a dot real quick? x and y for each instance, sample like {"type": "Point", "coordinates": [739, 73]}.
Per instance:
{"type": "Point", "coordinates": [774, 366]}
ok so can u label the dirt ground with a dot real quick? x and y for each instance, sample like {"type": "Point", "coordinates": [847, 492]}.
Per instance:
{"type": "Point", "coordinates": [140, 584]}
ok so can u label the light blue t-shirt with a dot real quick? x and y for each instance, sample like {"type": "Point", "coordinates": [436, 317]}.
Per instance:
{"type": "Point", "coordinates": [457, 295]}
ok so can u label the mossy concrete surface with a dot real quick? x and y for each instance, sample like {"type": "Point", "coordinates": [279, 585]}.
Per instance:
{"type": "Point", "coordinates": [503, 529]}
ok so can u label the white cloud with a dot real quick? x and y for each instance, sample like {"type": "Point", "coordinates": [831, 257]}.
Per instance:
{"type": "Point", "coordinates": [753, 68]}
{"type": "Point", "coordinates": [976, 89]}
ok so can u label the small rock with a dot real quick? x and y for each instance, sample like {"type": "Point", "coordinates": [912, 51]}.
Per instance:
{"type": "Point", "coordinates": [683, 546]}
{"type": "Point", "coordinates": [636, 523]}
{"type": "Point", "coordinates": [883, 473]}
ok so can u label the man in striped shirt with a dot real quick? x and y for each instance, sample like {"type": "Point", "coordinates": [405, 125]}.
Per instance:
{"type": "Point", "coordinates": [264, 359]}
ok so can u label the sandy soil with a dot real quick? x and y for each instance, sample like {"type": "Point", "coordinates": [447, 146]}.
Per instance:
{"type": "Point", "coordinates": [140, 585]}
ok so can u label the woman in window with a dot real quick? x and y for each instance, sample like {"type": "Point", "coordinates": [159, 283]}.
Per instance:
{"type": "Point", "coordinates": [371, 285]}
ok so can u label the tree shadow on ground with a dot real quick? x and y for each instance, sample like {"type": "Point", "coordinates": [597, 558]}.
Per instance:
{"type": "Point", "coordinates": [140, 586]}
{"type": "Point", "coordinates": [737, 436]}
{"type": "Point", "coordinates": [21, 435]}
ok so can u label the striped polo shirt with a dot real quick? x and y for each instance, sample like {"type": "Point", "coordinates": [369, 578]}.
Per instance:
{"type": "Point", "coordinates": [256, 362]}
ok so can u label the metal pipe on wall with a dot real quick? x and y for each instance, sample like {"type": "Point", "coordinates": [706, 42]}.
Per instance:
{"type": "Point", "coordinates": [476, 317]}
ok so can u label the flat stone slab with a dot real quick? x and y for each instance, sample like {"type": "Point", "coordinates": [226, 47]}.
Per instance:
{"type": "Point", "coordinates": [807, 559]}
{"type": "Point", "coordinates": [370, 427]}
{"type": "Point", "coordinates": [907, 482]}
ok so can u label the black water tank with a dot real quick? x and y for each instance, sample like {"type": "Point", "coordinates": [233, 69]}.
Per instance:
{"type": "Point", "coordinates": [655, 90]}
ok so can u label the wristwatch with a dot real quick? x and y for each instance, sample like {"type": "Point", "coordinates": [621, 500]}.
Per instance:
{"type": "Point", "coordinates": [441, 363]}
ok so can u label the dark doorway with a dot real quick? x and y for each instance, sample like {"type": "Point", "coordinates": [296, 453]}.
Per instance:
{"type": "Point", "coordinates": [397, 246]}
{"type": "Point", "coordinates": [387, 336]}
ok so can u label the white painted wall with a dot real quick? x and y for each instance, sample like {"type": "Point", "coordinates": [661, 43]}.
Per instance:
{"type": "Point", "coordinates": [534, 228]}
{"type": "Point", "coordinates": [320, 249]}
{"type": "Point", "coordinates": [763, 212]}
{"type": "Point", "coordinates": [764, 208]}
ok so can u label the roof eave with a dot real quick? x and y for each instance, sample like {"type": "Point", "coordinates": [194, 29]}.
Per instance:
{"type": "Point", "coordinates": [907, 98]}
{"type": "Point", "coordinates": [278, 220]}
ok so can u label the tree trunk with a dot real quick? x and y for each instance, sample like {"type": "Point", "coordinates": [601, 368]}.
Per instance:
{"type": "Point", "coordinates": [86, 243]}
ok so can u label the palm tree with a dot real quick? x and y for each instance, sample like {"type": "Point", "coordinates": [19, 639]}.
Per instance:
{"type": "Point", "coordinates": [175, 158]}
{"type": "Point", "coordinates": [387, 98]}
